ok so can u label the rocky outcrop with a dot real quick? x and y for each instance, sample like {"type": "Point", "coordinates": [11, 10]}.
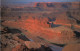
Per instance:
{"type": "Point", "coordinates": [18, 42]}
{"type": "Point", "coordinates": [32, 44]}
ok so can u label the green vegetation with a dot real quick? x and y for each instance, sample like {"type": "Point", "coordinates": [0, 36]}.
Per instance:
{"type": "Point", "coordinates": [28, 31]}
{"type": "Point", "coordinates": [22, 34]}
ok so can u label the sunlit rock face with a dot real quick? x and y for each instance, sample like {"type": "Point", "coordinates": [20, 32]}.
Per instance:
{"type": "Point", "coordinates": [32, 45]}
{"type": "Point", "coordinates": [40, 27]}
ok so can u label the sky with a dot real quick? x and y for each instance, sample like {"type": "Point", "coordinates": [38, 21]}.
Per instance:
{"type": "Point", "coordinates": [27, 1]}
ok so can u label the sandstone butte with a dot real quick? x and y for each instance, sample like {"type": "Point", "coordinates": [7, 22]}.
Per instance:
{"type": "Point", "coordinates": [55, 4]}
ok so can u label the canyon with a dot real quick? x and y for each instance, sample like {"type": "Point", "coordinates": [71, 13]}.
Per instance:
{"type": "Point", "coordinates": [42, 26]}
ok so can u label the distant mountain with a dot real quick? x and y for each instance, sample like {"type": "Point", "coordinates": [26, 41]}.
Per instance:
{"type": "Point", "coordinates": [44, 4]}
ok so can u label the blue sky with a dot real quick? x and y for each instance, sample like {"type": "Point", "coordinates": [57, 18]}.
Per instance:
{"type": "Point", "coordinates": [26, 1]}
